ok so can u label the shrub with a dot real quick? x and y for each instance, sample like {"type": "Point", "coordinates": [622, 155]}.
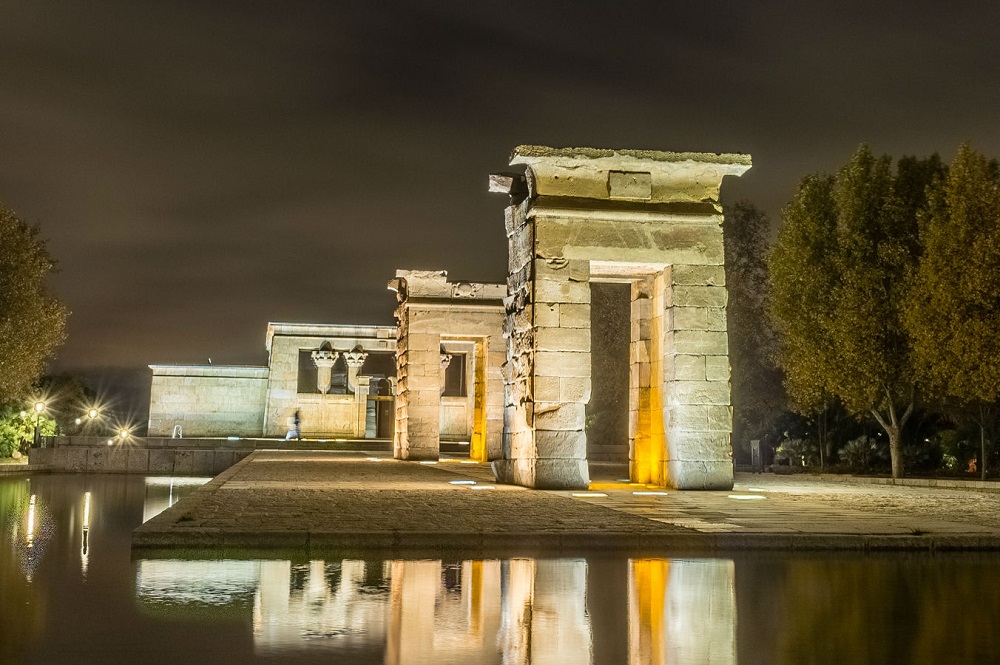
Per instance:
{"type": "Point", "coordinates": [863, 454]}
{"type": "Point", "coordinates": [797, 452]}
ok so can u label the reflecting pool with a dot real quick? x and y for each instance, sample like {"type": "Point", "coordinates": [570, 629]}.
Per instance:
{"type": "Point", "coordinates": [70, 593]}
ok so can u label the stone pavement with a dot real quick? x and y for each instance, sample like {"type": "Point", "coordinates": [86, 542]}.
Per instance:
{"type": "Point", "coordinates": [361, 502]}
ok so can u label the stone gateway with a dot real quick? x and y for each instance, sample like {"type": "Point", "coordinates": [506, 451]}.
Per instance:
{"type": "Point", "coordinates": [653, 220]}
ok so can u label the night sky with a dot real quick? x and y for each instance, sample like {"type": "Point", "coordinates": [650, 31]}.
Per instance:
{"type": "Point", "coordinates": [201, 168]}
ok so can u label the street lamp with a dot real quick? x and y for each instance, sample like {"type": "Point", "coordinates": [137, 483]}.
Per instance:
{"type": "Point", "coordinates": [37, 439]}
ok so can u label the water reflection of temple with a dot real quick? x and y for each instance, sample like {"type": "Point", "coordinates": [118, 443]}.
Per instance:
{"type": "Point", "coordinates": [510, 612]}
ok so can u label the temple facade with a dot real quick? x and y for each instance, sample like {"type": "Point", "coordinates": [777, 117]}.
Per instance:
{"type": "Point", "coordinates": [506, 368]}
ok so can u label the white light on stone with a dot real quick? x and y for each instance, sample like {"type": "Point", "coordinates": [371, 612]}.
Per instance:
{"type": "Point", "coordinates": [481, 487]}
{"type": "Point", "coordinates": [462, 482]}
{"type": "Point", "coordinates": [429, 462]}
{"type": "Point", "coordinates": [649, 493]}
{"type": "Point", "coordinates": [589, 494]}
{"type": "Point", "coordinates": [746, 497]}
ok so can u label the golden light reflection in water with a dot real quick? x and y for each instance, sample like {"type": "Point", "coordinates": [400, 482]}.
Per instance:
{"type": "Point", "coordinates": [514, 611]}
{"type": "Point", "coordinates": [85, 544]}
{"type": "Point", "coordinates": [682, 611]}
{"type": "Point", "coordinates": [29, 533]}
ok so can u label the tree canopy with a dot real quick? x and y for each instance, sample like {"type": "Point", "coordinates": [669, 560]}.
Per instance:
{"type": "Point", "coordinates": [953, 311]}
{"type": "Point", "coordinates": [846, 249]}
{"type": "Point", "coordinates": [32, 321]}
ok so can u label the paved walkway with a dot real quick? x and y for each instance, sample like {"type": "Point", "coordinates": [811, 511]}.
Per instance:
{"type": "Point", "coordinates": [363, 502]}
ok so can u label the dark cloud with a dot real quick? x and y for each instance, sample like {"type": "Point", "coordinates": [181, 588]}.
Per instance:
{"type": "Point", "coordinates": [202, 168]}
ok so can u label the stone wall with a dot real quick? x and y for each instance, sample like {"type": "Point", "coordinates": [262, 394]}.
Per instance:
{"type": "Point", "coordinates": [130, 458]}
{"type": "Point", "coordinates": [322, 415]}
{"type": "Point", "coordinates": [207, 400]}
{"type": "Point", "coordinates": [648, 218]}
{"type": "Point", "coordinates": [433, 316]}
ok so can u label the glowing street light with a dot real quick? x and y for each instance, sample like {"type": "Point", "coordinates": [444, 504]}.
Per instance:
{"type": "Point", "coordinates": [37, 439]}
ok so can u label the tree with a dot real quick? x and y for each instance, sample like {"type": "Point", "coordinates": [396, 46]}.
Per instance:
{"type": "Point", "coordinates": [953, 310]}
{"type": "Point", "coordinates": [846, 248]}
{"type": "Point", "coordinates": [758, 397]}
{"type": "Point", "coordinates": [17, 427]}
{"type": "Point", "coordinates": [32, 321]}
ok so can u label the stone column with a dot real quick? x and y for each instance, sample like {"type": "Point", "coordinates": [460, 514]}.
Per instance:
{"type": "Point", "coordinates": [418, 402]}
{"type": "Point", "coordinates": [324, 359]}
{"type": "Point", "coordinates": [547, 376]}
{"type": "Point", "coordinates": [640, 414]}
{"type": "Point", "coordinates": [354, 359]}
{"type": "Point", "coordinates": [696, 380]}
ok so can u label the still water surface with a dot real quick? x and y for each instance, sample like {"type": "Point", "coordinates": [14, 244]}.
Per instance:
{"type": "Point", "coordinates": [70, 593]}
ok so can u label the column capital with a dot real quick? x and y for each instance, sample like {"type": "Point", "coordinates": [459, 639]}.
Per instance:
{"type": "Point", "coordinates": [324, 357]}
{"type": "Point", "coordinates": [355, 359]}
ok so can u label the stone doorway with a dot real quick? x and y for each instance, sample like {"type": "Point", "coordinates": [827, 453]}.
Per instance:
{"type": "Point", "coordinates": [651, 219]}
{"type": "Point", "coordinates": [447, 329]}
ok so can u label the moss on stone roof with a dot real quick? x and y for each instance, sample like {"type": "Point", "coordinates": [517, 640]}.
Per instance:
{"type": "Point", "coordinates": [649, 155]}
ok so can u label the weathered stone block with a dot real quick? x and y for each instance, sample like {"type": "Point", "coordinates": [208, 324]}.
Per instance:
{"type": "Point", "coordinates": [183, 462]}
{"type": "Point", "coordinates": [688, 318]}
{"type": "Point", "coordinates": [562, 364]}
{"type": "Point", "coordinates": [717, 368]}
{"type": "Point", "coordinates": [560, 416]}
{"type": "Point", "coordinates": [138, 460]}
{"type": "Point", "coordinates": [77, 459]}
{"type": "Point", "coordinates": [699, 475]}
{"type": "Point", "coordinates": [561, 474]}
{"type": "Point", "coordinates": [698, 392]}
{"type": "Point", "coordinates": [561, 443]}
{"type": "Point", "coordinates": [687, 417]}
{"type": "Point", "coordinates": [546, 314]}
{"type": "Point", "coordinates": [562, 339]}
{"type": "Point", "coordinates": [685, 368]}
{"type": "Point", "coordinates": [559, 268]}
{"type": "Point", "coordinates": [698, 446]}
{"type": "Point", "coordinates": [716, 318]}
{"type": "Point", "coordinates": [203, 462]}
{"type": "Point", "coordinates": [161, 462]}
{"type": "Point", "coordinates": [546, 389]}
{"type": "Point", "coordinates": [697, 296]}
{"type": "Point", "coordinates": [696, 342]}
{"type": "Point", "coordinates": [720, 418]}
{"type": "Point", "coordinates": [639, 351]}
{"type": "Point", "coordinates": [574, 315]}
{"type": "Point", "coordinates": [553, 474]}
{"type": "Point", "coordinates": [559, 291]}
{"type": "Point", "coordinates": [573, 389]}
{"type": "Point", "coordinates": [682, 275]}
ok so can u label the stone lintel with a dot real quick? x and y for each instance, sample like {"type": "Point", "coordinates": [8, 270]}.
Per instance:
{"type": "Point", "coordinates": [648, 176]}
{"type": "Point", "coordinates": [434, 285]}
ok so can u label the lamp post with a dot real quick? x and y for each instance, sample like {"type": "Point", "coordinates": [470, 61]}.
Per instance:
{"type": "Point", "coordinates": [37, 439]}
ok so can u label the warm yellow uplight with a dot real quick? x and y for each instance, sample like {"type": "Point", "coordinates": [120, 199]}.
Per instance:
{"type": "Point", "coordinates": [586, 495]}
{"type": "Point", "coordinates": [86, 510]}
{"type": "Point", "coordinates": [30, 537]}
{"type": "Point", "coordinates": [39, 407]}
{"type": "Point", "coordinates": [93, 413]}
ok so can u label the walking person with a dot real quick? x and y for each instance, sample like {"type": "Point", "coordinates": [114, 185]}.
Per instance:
{"type": "Point", "coordinates": [294, 427]}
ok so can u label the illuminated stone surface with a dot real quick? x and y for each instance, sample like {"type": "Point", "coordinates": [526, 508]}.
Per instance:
{"type": "Point", "coordinates": [651, 219]}
{"type": "Point", "coordinates": [438, 323]}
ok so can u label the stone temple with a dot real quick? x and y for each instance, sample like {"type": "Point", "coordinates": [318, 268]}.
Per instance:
{"type": "Point", "coordinates": [506, 368]}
